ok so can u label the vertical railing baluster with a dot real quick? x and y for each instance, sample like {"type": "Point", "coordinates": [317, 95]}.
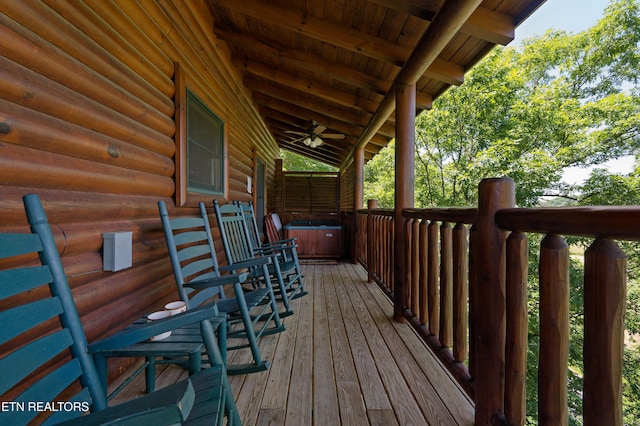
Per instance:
{"type": "Point", "coordinates": [424, 272]}
{"type": "Point", "coordinates": [517, 328]}
{"type": "Point", "coordinates": [605, 280]}
{"type": "Point", "coordinates": [473, 299]}
{"type": "Point", "coordinates": [371, 204]}
{"type": "Point", "coordinates": [408, 262]}
{"type": "Point", "coordinates": [415, 267]}
{"type": "Point", "coordinates": [391, 232]}
{"type": "Point", "coordinates": [554, 331]}
{"type": "Point", "coordinates": [460, 292]}
{"type": "Point", "coordinates": [433, 283]}
{"type": "Point", "coordinates": [446, 285]}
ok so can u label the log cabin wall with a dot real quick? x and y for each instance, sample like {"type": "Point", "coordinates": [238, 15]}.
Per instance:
{"type": "Point", "coordinates": [87, 121]}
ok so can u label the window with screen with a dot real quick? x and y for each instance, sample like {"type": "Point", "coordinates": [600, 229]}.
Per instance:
{"type": "Point", "coordinates": [205, 148]}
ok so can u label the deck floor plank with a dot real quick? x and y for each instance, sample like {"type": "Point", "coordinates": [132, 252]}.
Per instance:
{"type": "Point", "coordinates": [351, 403]}
{"type": "Point", "coordinates": [300, 397]}
{"type": "Point", "coordinates": [341, 361]}
{"type": "Point", "coordinates": [325, 394]}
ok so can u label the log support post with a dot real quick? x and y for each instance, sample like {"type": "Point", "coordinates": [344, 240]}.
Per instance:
{"type": "Point", "coordinates": [404, 187]}
{"type": "Point", "coordinates": [489, 259]}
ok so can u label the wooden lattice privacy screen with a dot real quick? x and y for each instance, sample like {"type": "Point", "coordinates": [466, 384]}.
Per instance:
{"type": "Point", "coordinates": [311, 192]}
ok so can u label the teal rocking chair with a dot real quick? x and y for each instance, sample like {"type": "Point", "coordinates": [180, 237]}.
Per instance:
{"type": "Point", "coordinates": [289, 263]}
{"type": "Point", "coordinates": [51, 378]}
{"type": "Point", "coordinates": [198, 278]}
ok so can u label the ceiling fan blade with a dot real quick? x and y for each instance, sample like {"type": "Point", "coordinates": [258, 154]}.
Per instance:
{"type": "Point", "coordinates": [332, 136]}
{"type": "Point", "coordinates": [295, 133]}
{"type": "Point", "coordinates": [319, 129]}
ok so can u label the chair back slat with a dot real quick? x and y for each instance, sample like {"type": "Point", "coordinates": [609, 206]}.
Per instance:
{"type": "Point", "coordinates": [19, 364]}
{"type": "Point", "coordinates": [60, 416]}
{"type": "Point", "coordinates": [250, 222]}
{"type": "Point", "coordinates": [181, 223]}
{"type": "Point", "coordinates": [195, 270]}
{"type": "Point", "coordinates": [190, 237]}
{"type": "Point", "coordinates": [18, 244]}
{"type": "Point", "coordinates": [46, 389]}
{"type": "Point", "coordinates": [233, 230]}
{"type": "Point", "coordinates": [25, 317]}
{"type": "Point", "coordinates": [19, 280]}
{"type": "Point", "coordinates": [193, 252]}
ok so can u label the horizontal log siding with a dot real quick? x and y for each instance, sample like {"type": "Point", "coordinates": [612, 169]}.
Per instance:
{"type": "Point", "coordinates": [86, 121]}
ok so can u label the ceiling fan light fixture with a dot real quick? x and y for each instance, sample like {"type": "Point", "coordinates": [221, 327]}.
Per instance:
{"type": "Point", "coordinates": [316, 142]}
{"type": "Point", "coordinates": [307, 141]}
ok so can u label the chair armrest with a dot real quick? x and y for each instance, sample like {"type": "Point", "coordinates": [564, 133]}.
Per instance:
{"type": "Point", "coordinates": [168, 406]}
{"type": "Point", "coordinates": [141, 331]}
{"type": "Point", "coordinates": [218, 281]}
{"type": "Point", "coordinates": [281, 242]}
{"type": "Point", "coordinates": [265, 251]}
{"type": "Point", "coordinates": [258, 261]}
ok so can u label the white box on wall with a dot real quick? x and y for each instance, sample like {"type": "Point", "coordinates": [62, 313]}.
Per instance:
{"type": "Point", "coordinates": [117, 251]}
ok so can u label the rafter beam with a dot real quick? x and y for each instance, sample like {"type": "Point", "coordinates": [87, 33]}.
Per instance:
{"type": "Point", "coordinates": [278, 109]}
{"type": "Point", "coordinates": [311, 153]}
{"type": "Point", "coordinates": [309, 87]}
{"type": "Point", "coordinates": [302, 100]}
{"type": "Point", "coordinates": [445, 71]}
{"type": "Point", "coordinates": [423, 9]}
{"type": "Point", "coordinates": [319, 29]}
{"type": "Point", "coordinates": [290, 58]}
{"type": "Point", "coordinates": [491, 26]}
{"type": "Point", "coordinates": [423, 100]}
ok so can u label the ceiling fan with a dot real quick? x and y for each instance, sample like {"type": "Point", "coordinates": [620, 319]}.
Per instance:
{"type": "Point", "coordinates": [313, 138]}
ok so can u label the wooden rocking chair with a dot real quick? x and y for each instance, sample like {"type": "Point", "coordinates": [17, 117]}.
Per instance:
{"type": "Point", "coordinates": [198, 278]}
{"type": "Point", "coordinates": [52, 379]}
{"type": "Point", "coordinates": [287, 248]}
{"type": "Point", "coordinates": [238, 249]}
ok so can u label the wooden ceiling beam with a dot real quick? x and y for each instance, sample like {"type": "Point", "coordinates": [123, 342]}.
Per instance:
{"type": "Point", "coordinates": [311, 153]}
{"type": "Point", "coordinates": [491, 26]}
{"type": "Point", "coordinates": [483, 23]}
{"type": "Point", "coordinates": [423, 100]}
{"type": "Point", "coordinates": [301, 100]}
{"type": "Point", "coordinates": [275, 108]}
{"type": "Point", "coordinates": [423, 9]}
{"type": "Point", "coordinates": [307, 86]}
{"type": "Point", "coordinates": [445, 71]}
{"type": "Point", "coordinates": [342, 36]}
{"type": "Point", "coordinates": [290, 58]}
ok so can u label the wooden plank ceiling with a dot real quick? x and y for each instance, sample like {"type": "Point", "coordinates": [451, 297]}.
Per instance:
{"type": "Point", "coordinates": [329, 66]}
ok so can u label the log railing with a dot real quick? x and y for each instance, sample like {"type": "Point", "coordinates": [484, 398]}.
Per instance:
{"type": "Point", "coordinates": [466, 294]}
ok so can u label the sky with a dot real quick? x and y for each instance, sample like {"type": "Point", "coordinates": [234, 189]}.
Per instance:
{"type": "Point", "coordinates": [573, 16]}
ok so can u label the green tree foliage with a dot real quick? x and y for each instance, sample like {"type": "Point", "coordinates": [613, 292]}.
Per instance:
{"type": "Point", "coordinates": [379, 177]}
{"type": "Point", "coordinates": [559, 100]}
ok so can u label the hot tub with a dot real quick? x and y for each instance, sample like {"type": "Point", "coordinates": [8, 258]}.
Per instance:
{"type": "Point", "coordinates": [317, 239]}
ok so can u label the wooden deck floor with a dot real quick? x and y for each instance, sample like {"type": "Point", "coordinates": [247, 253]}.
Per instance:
{"type": "Point", "coordinates": [343, 361]}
